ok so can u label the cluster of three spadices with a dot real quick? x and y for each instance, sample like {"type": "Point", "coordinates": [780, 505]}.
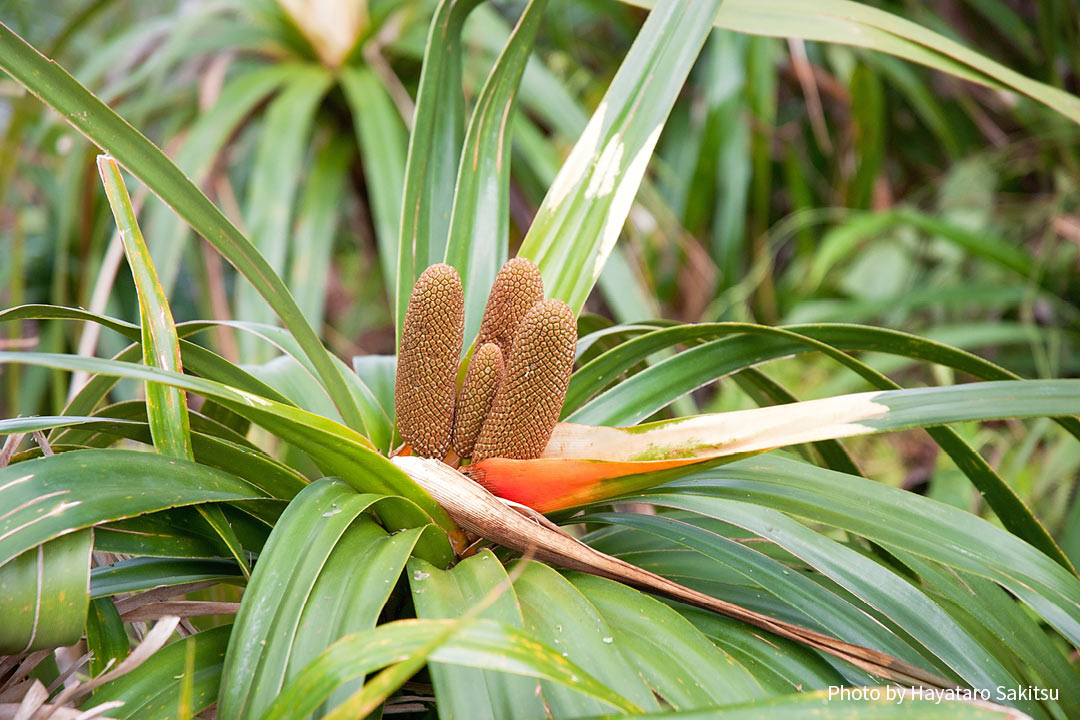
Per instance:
{"type": "Point", "coordinates": [514, 384]}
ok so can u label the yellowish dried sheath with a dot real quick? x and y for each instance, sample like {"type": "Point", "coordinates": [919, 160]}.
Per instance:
{"type": "Point", "coordinates": [483, 378]}
{"type": "Point", "coordinates": [431, 338]}
{"type": "Point", "coordinates": [528, 402]}
{"type": "Point", "coordinates": [517, 287]}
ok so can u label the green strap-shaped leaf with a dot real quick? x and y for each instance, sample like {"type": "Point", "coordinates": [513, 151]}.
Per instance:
{"type": "Point", "coordinates": [481, 644]}
{"type": "Point", "coordinates": [208, 134]}
{"type": "Point", "coordinates": [304, 594]}
{"type": "Point", "coordinates": [318, 214]}
{"type": "Point", "coordinates": [208, 364]}
{"type": "Point", "coordinates": [87, 114]}
{"type": "Point", "coordinates": [383, 142]}
{"type": "Point", "coordinates": [166, 407]}
{"type": "Point", "coordinates": [167, 534]}
{"type": "Point", "coordinates": [584, 210]}
{"type": "Point", "coordinates": [480, 223]}
{"type": "Point", "coordinates": [53, 496]}
{"type": "Point", "coordinates": [557, 614]}
{"type": "Point", "coordinates": [293, 378]}
{"type": "Point", "coordinates": [828, 611]}
{"type": "Point", "coordinates": [980, 602]}
{"type": "Point", "coordinates": [43, 597]}
{"type": "Point", "coordinates": [434, 150]}
{"type": "Point", "coordinates": [195, 358]}
{"type": "Point", "coordinates": [350, 594]}
{"type": "Point", "coordinates": [671, 377]}
{"type": "Point", "coordinates": [889, 593]}
{"type": "Point", "coordinates": [789, 666]}
{"type": "Point", "coordinates": [337, 449]}
{"type": "Point", "coordinates": [451, 594]}
{"type": "Point", "coordinates": [155, 689]}
{"type": "Point", "coordinates": [276, 175]}
{"type": "Point", "coordinates": [852, 23]}
{"type": "Point", "coordinates": [137, 574]}
{"type": "Point", "coordinates": [106, 637]}
{"type": "Point", "coordinates": [678, 663]}
{"type": "Point", "coordinates": [892, 518]}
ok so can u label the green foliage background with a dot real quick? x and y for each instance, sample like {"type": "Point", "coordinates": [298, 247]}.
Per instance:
{"type": "Point", "coordinates": [893, 184]}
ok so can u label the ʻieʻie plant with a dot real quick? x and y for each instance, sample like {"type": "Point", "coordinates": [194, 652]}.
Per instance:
{"type": "Point", "coordinates": [235, 482]}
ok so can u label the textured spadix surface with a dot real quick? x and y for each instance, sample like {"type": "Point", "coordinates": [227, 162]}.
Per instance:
{"type": "Point", "coordinates": [482, 380]}
{"type": "Point", "coordinates": [527, 404]}
{"type": "Point", "coordinates": [431, 338]}
{"type": "Point", "coordinates": [517, 287]}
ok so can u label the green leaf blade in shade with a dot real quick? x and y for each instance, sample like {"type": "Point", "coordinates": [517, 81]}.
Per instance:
{"type": "Point", "coordinates": [450, 594]}
{"type": "Point", "coordinates": [138, 574]}
{"type": "Point", "coordinates": [584, 210]}
{"type": "Point", "coordinates": [480, 221]}
{"type": "Point", "coordinates": [852, 23]}
{"type": "Point", "coordinates": [434, 151]}
{"type": "Point", "coordinates": [154, 690]}
{"type": "Point", "coordinates": [276, 173]}
{"type": "Point", "coordinates": [102, 126]}
{"type": "Point", "coordinates": [106, 637]}
{"type": "Point", "coordinates": [384, 142]}
{"type": "Point", "coordinates": [43, 592]}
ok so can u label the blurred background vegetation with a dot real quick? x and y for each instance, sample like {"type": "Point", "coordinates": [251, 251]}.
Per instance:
{"type": "Point", "coordinates": [795, 182]}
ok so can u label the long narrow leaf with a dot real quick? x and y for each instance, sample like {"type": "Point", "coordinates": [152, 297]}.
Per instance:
{"type": "Point", "coordinates": [480, 222]}
{"type": "Point", "coordinates": [383, 142]}
{"type": "Point", "coordinates": [434, 152]}
{"type": "Point", "coordinates": [272, 193]}
{"type": "Point", "coordinates": [338, 450]}
{"type": "Point", "coordinates": [166, 407]}
{"type": "Point", "coordinates": [584, 463]}
{"type": "Point", "coordinates": [57, 495]}
{"type": "Point", "coordinates": [584, 210]}
{"type": "Point", "coordinates": [43, 594]}
{"type": "Point", "coordinates": [852, 23]}
{"type": "Point", "coordinates": [55, 87]}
